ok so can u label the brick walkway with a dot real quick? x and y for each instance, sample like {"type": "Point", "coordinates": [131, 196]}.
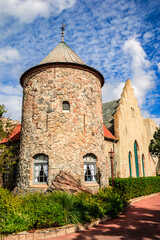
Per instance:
{"type": "Point", "coordinates": [141, 221]}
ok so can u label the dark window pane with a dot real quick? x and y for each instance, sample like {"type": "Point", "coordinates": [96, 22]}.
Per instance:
{"type": "Point", "coordinates": [66, 106]}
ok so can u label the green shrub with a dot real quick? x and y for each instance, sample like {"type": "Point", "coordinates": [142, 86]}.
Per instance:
{"type": "Point", "coordinates": [113, 201]}
{"type": "Point", "coordinates": [41, 212]}
{"type": "Point", "coordinates": [38, 210]}
{"type": "Point", "coordinates": [135, 187]}
{"type": "Point", "coordinates": [93, 206]}
{"type": "Point", "coordinates": [73, 210]}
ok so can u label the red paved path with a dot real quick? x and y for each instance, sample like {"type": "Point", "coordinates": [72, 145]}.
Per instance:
{"type": "Point", "coordinates": [141, 221]}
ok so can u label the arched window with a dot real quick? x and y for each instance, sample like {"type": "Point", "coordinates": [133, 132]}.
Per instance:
{"type": "Point", "coordinates": [136, 158]}
{"type": "Point", "coordinates": [130, 166]}
{"type": "Point", "coordinates": [90, 167]}
{"type": "Point", "coordinates": [40, 169]}
{"type": "Point", "coordinates": [66, 106]}
{"type": "Point", "coordinates": [143, 159]}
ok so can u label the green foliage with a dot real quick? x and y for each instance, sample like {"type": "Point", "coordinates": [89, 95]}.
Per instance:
{"type": "Point", "coordinates": [113, 201]}
{"type": "Point", "coordinates": [7, 150]}
{"type": "Point", "coordinates": [135, 187]}
{"type": "Point", "coordinates": [154, 147]}
{"type": "Point", "coordinates": [38, 210]}
{"type": "Point", "coordinates": [94, 208]}
{"type": "Point", "coordinates": [5, 126]}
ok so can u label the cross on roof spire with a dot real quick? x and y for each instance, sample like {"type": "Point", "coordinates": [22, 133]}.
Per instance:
{"type": "Point", "coordinates": [62, 31]}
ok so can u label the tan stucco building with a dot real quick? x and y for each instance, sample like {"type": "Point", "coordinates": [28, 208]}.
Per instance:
{"type": "Point", "coordinates": [123, 118]}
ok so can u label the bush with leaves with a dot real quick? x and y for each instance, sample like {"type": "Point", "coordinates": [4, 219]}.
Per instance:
{"type": "Point", "coordinates": [112, 200]}
{"type": "Point", "coordinates": [39, 210]}
{"type": "Point", "coordinates": [136, 187]}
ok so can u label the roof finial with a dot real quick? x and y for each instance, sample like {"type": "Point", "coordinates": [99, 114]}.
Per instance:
{"type": "Point", "coordinates": [62, 30]}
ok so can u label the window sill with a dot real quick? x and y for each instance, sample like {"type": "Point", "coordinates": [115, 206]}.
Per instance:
{"type": "Point", "coordinates": [65, 111]}
{"type": "Point", "coordinates": [91, 184]}
{"type": "Point", "coordinates": [39, 186]}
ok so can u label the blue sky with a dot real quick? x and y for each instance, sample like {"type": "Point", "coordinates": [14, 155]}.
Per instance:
{"type": "Point", "coordinates": [120, 38]}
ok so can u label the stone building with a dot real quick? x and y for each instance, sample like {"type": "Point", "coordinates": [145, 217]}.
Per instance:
{"type": "Point", "coordinates": [64, 126]}
{"type": "Point", "coordinates": [62, 122]}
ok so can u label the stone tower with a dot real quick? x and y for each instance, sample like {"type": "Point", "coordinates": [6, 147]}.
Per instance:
{"type": "Point", "coordinates": [62, 123]}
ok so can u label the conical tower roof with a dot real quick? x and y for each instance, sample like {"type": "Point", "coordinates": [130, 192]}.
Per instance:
{"type": "Point", "coordinates": [62, 53]}
{"type": "Point", "coordinates": [62, 56]}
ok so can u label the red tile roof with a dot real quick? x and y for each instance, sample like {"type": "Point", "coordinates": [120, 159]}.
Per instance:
{"type": "Point", "coordinates": [15, 135]}
{"type": "Point", "coordinates": [107, 133]}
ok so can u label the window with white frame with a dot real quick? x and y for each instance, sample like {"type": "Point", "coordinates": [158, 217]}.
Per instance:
{"type": "Point", "coordinates": [90, 168]}
{"type": "Point", "coordinates": [40, 169]}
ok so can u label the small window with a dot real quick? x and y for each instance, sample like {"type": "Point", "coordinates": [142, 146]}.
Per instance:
{"type": "Point", "coordinates": [66, 106]}
{"type": "Point", "coordinates": [40, 168]}
{"type": "Point", "coordinates": [90, 168]}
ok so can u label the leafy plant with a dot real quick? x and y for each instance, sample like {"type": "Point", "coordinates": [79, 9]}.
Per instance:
{"type": "Point", "coordinates": [154, 147]}
{"type": "Point", "coordinates": [39, 210]}
{"type": "Point", "coordinates": [8, 150]}
{"type": "Point", "coordinates": [135, 187]}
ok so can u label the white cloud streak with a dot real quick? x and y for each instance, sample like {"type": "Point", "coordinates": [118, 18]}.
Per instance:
{"type": "Point", "coordinates": [13, 106]}
{"type": "Point", "coordinates": [11, 90]}
{"type": "Point", "coordinates": [158, 65]}
{"type": "Point", "coordinates": [27, 10]}
{"type": "Point", "coordinates": [143, 76]}
{"type": "Point", "coordinates": [9, 55]}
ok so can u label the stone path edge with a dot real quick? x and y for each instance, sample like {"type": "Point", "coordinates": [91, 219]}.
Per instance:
{"type": "Point", "coordinates": [65, 230]}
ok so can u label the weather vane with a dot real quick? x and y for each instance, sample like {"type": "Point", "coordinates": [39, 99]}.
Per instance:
{"type": "Point", "coordinates": [62, 31]}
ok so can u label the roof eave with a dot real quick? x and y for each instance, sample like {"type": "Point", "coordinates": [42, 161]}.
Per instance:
{"type": "Point", "coordinates": [63, 64]}
{"type": "Point", "coordinates": [111, 139]}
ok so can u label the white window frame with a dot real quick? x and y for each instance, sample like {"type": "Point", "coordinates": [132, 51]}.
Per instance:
{"type": "Point", "coordinates": [90, 162]}
{"type": "Point", "coordinates": [40, 164]}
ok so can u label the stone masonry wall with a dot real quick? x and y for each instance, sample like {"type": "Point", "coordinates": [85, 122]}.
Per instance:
{"type": "Point", "coordinates": [65, 137]}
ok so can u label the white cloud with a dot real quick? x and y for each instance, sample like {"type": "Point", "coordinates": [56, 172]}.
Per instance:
{"type": "Point", "coordinates": [13, 106]}
{"type": "Point", "coordinates": [112, 92]}
{"type": "Point", "coordinates": [158, 65]}
{"type": "Point", "coordinates": [27, 10]}
{"type": "Point", "coordinates": [10, 90]}
{"type": "Point", "coordinates": [11, 97]}
{"type": "Point", "coordinates": [146, 114]}
{"type": "Point", "coordinates": [142, 75]}
{"type": "Point", "coordinates": [147, 36]}
{"type": "Point", "coordinates": [157, 120]}
{"type": "Point", "coordinates": [9, 55]}
{"type": "Point", "coordinates": [106, 92]}
{"type": "Point", "coordinates": [118, 91]}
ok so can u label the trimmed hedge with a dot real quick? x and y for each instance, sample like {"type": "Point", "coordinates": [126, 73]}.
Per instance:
{"type": "Point", "coordinates": [135, 187]}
